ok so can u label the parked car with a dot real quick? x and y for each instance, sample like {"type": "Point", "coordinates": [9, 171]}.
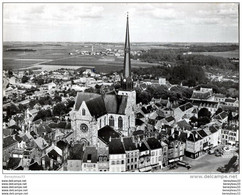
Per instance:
{"type": "Point", "coordinates": [211, 151]}
{"type": "Point", "coordinates": [221, 169]}
{"type": "Point", "coordinates": [184, 164]}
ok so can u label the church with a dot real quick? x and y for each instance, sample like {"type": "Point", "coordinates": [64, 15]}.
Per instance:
{"type": "Point", "coordinates": [92, 111]}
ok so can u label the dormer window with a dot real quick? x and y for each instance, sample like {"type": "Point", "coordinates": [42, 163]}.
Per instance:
{"type": "Point", "coordinates": [83, 112]}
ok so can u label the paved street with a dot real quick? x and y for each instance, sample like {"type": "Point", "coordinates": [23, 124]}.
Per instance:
{"type": "Point", "coordinates": [204, 164]}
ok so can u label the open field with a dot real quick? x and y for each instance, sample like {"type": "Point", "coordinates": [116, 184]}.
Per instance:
{"type": "Point", "coordinates": [57, 54]}
{"type": "Point", "coordinates": [225, 54]}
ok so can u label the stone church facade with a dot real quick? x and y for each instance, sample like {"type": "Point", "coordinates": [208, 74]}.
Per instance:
{"type": "Point", "coordinates": [93, 111]}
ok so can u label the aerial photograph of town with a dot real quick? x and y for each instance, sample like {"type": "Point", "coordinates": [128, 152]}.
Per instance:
{"type": "Point", "coordinates": [120, 87]}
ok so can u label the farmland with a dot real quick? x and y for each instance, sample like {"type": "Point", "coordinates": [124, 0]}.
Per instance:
{"type": "Point", "coordinates": [19, 55]}
{"type": "Point", "coordinates": [225, 54]}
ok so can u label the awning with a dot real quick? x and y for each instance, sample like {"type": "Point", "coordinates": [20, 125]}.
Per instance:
{"type": "Point", "coordinates": [145, 169]}
{"type": "Point", "coordinates": [205, 148]}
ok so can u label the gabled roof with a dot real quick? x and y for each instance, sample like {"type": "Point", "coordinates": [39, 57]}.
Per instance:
{"type": "Point", "coordinates": [153, 143]}
{"type": "Point", "coordinates": [169, 119]}
{"type": "Point", "coordinates": [142, 147]}
{"type": "Point", "coordinates": [186, 106]}
{"type": "Point", "coordinates": [13, 163]}
{"type": "Point", "coordinates": [230, 100]}
{"type": "Point", "coordinates": [96, 106]}
{"type": "Point", "coordinates": [76, 152]}
{"type": "Point", "coordinates": [116, 146]}
{"type": "Point", "coordinates": [213, 129]}
{"type": "Point", "coordinates": [138, 122]}
{"type": "Point", "coordinates": [35, 167]}
{"type": "Point", "coordinates": [194, 136]}
{"type": "Point", "coordinates": [202, 133]}
{"type": "Point", "coordinates": [200, 95]}
{"type": "Point", "coordinates": [138, 132]}
{"type": "Point", "coordinates": [8, 141]}
{"type": "Point", "coordinates": [184, 125]}
{"type": "Point", "coordinates": [53, 154]}
{"type": "Point", "coordinates": [115, 104]}
{"type": "Point", "coordinates": [90, 155]}
{"type": "Point", "coordinates": [84, 96]}
{"type": "Point", "coordinates": [128, 144]}
{"type": "Point", "coordinates": [106, 132]}
{"type": "Point", "coordinates": [62, 145]}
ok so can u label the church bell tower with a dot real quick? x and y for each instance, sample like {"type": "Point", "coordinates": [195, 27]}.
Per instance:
{"type": "Point", "coordinates": [127, 84]}
{"type": "Point", "coordinates": [126, 79]}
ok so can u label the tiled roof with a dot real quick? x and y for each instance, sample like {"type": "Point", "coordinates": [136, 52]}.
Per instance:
{"type": "Point", "coordinates": [142, 147]}
{"type": "Point", "coordinates": [230, 100]}
{"type": "Point", "coordinates": [170, 118]}
{"type": "Point", "coordinates": [129, 144]}
{"type": "Point", "coordinates": [186, 106]}
{"type": "Point", "coordinates": [106, 132]}
{"type": "Point", "coordinates": [213, 129]}
{"type": "Point", "coordinates": [76, 152]}
{"type": "Point", "coordinates": [138, 132]}
{"type": "Point", "coordinates": [96, 106]}
{"type": "Point", "coordinates": [116, 146]}
{"type": "Point", "coordinates": [153, 143]}
{"type": "Point", "coordinates": [62, 145]}
{"type": "Point", "coordinates": [194, 136]}
{"type": "Point", "coordinates": [184, 125]}
{"type": "Point", "coordinates": [115, 104]}
{"type": "Point", "coordinates": [200, 95]}
{"type": "Point", "coordinates": [90, 154]}
{"type": "Point", "coordinates": [138, 122]}
{"type": "Point", "coordinates": [84, 96]}
{"type": "Point", "coordinates": [53, 154]}
{"type": "Point", "coordinates": [202, 133]}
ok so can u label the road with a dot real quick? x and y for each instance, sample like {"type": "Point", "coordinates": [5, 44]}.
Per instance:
{"type": "Point", "coordinates": [204, 164]}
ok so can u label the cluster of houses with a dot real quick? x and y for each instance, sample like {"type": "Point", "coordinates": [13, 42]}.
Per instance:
{"type": "Point", "coordinates": [164, 132]}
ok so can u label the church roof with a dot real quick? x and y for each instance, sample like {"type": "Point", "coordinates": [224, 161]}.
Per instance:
{"type": "Point", "coordinates": [84, 96]}
{"type": "Point", "coordinates": [96, 106]}
{"type": "Point", "coordinates": [99, 105]}
{"type": "Point", "coordinates": [115, 104]}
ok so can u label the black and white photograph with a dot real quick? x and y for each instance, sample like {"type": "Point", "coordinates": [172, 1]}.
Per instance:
{"type": "Point", "coordinates": [134, 88]}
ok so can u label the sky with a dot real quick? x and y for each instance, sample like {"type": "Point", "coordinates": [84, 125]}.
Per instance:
{"type": "Point", "coordinates": [105, 22]}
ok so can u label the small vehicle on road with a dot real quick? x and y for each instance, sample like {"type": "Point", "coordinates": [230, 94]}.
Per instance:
{"type": "Point", "coordinates": [184, 164]}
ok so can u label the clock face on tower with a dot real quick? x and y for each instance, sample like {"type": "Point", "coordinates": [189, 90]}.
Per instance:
{"type": "Point", "coordinates": [84, 128]}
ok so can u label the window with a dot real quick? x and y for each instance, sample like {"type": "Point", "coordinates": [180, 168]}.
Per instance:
{"type": "Point", "coordinates": [128, 160]}
{"type": "Point", "coordinates": [132, 167]}
{"type": "Point", "coordinates": [105, 121]}
{"type": "Point", "coordinates": [83, 112]}
{"type": "Point", "coordinates": [120, 122]}
{"type": "Point", "coordinates": [111, 121]}
{"type": "Point", "coordinates": [128, 167]}
{"type": "Point", "coordinates": [122, 161]}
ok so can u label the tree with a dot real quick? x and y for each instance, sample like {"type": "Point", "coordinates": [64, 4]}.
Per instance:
{"type": "Point", "coordinates": [204, 112]}
{"type": "Point", "coordinates": [204, 116]}
{"type": "Point", "coordinates": [25, 79]}
{"type": "Point", "coordinates": [59, 109]}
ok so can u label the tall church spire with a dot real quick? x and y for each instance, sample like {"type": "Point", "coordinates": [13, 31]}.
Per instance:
{"type": "Point", "coordinates": [127, 83]}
